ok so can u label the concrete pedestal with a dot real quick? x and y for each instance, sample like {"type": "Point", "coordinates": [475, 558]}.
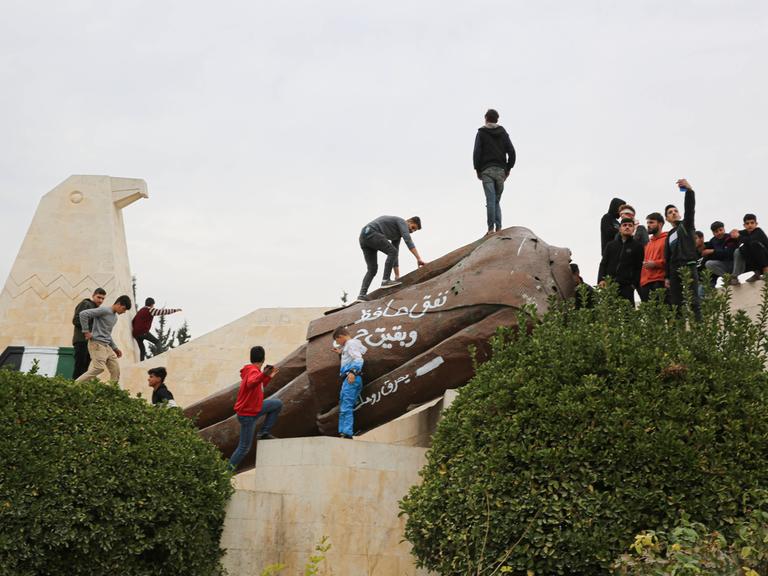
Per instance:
{"type": "Point", "coordinates": [305, 488]}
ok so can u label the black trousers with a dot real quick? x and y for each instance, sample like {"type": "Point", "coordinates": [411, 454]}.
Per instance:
{"type": "Point", "coordinates": [371, 243]}
{"type": "Point", "coordinates": [755, 256]}
{"type": "Point", "coordinates": [627, 291]}
{"type": "Point", "coordinates": [140, 341]}
{"type": "Point", "coordinates": [676, 297]}
{"type": "Point", "coordinates": [82, 359]}
{"type": "Point", "coordinates": [650, 288]}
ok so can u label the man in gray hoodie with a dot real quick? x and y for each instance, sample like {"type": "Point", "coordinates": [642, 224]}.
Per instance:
{"type": "Point", "coordinates": [103, 350]}
{"type": "Point", "coordinates": [493, 157]}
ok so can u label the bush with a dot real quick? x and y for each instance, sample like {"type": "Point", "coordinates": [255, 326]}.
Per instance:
{"type": "Point", "coordinates": [590, 427]}
{"type": "Point", "coordinates": [691, 548]}
{"type": "Point", "coordinates": [93, 482]}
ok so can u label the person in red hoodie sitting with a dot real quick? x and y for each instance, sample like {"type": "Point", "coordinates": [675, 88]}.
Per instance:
{"type": "Point", "coordinates": [250, 404]}
{"type": "Point", "coordinates": [653, 273]}
{"type": "Point", "coordinates": [142, 324]}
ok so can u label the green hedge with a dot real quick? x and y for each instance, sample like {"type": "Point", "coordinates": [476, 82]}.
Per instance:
{"type": "Point", "coordinates": [595, 426]}
{"type": "Point", "coordinates": [93, 482]}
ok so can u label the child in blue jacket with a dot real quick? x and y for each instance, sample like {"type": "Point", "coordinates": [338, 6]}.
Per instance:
{"type": "Point", "coordinates": [351, 352]}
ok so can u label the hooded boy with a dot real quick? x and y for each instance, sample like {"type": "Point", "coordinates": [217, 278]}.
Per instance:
{"type": "Point", "coordinates": [493, 158]}
{"type": "Point", "coordinates": [250, 404]}
{"type": "Point", "coordinates": [609, 223]}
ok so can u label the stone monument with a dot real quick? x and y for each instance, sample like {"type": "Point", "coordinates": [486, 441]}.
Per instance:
{"type": "Point", "coordinates": [75, 243]}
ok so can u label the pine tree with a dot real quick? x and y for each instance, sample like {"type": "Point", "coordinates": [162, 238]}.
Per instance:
{"type": "Point", "coordinates": [182, 334]}
{"type": "Point", "coordinates": [165, 337]}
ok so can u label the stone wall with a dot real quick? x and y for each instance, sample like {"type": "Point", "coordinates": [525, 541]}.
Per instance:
{"type": "Point", "coordinates": [305, 488]}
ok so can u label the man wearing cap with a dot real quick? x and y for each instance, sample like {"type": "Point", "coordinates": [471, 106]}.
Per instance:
{"type": "Point", "coordinates": [719, 254]}
{"type": "Point", "coordinates": [623, 261]}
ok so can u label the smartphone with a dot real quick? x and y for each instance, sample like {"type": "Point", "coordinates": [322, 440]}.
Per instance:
{"type": "Point", "coordinates": [267, 369]}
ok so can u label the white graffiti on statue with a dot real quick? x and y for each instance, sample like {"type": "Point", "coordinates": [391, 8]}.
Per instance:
{"type": "Point", "coordinates": [380, 337]}
{"type": "Point", "coordinates": [387, 388]}
{"type": "Point", "coordinates": [389, 311]}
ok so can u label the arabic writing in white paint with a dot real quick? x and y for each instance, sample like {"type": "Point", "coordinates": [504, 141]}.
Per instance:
{"type": "Point", "coordinates": [380, 337]}
{"type": "Point", "coordinates": [390, 311]}
{"type": "Point", "coordinates": [387, 388]}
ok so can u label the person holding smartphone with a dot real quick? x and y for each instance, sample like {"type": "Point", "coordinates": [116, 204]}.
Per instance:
{"type": "Point", "coordinates": [251, 405]}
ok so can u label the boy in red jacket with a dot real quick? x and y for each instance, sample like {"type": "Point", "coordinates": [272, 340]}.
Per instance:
{"type": "Point", "coordinates": [250, 404]}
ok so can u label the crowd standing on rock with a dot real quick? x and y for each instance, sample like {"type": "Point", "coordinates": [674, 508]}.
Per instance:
{"type": "Point", "coordinates": [672, 259]}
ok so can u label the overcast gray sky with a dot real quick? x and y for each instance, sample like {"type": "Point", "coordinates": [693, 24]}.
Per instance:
{"type": "Point", "coordinates": [269, 133]}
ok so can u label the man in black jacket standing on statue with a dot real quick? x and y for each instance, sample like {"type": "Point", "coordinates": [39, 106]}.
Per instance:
{"type": "Point", "coordinates": [680, 250]}
{"type": "Point", "coordinates": [493, 157]}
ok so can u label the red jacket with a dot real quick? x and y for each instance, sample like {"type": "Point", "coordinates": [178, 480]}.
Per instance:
{"type": "Point", "coordinates": [250, 397]}
{"type": "Point", "coordinates": [654, 252]}
{"type": "Point", "coordinates": [142, 322]}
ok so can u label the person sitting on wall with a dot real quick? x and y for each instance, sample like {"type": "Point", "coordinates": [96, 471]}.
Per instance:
{"type": "Point", "coordinates": [142, 324]}
{"type": "Point", "coordinates": [251, 405]}
{"type": "Point", "coordinates": [161, 396]}
{"type": "Point", "coordinates": [721, 249]}
{"type": "Point", "coordinates": [752, 254]}
{"type": "Point", "coordinates": [79, 343]}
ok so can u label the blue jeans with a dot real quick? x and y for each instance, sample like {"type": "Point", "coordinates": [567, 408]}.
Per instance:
{"type": "Point", "coordinates": [347, 400]}
{"type": "Point", "coordinates": [271, 408]}
{"type": "Point", "coordinates": [493, 186]}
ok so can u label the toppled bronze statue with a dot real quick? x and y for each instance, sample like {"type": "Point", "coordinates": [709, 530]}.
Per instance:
{"type": "Point", "coordinates": [418, 337]}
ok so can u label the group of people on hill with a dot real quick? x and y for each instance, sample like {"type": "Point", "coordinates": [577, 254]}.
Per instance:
{"type": "Point", "coordinates": [647, 258]}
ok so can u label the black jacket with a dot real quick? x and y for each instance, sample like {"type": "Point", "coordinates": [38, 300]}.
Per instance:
{"type": "Point", "coordinates": [77, 335]}
{"type": "Point", "coordinates": [622, 261]}
{"type": "Point", "coordinates": [609, 223]}
{"type": "Point", "coordinates": [680, 246]}
{"type": "Point", "coordinates": [723, 248]}
{"type": "Point", "coordinates": [162, 394]}
{"type": "Point", "coordinates": [756, 237]}
{"type": "Point", "coordinates": [493, 148]}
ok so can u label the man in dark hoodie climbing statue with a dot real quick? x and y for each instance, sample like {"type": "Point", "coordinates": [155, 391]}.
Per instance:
{"type": "Point", "coordinates": [494, 157]}
{"type": "Point", "coordinates": [680, 251]}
